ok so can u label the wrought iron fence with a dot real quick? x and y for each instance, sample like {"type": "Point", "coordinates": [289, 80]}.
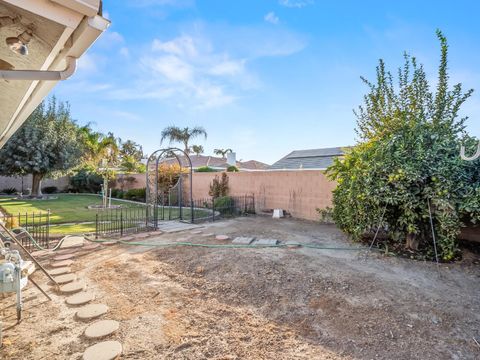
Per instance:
{"type": "Point", "coordinates": [35, 224]}
{"type": "Point", "coordinates": [121, 221]}
{"type": "Point", "coordinates": [211, 209]}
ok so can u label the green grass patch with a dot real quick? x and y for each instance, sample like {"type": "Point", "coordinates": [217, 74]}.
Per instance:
{"type": "Point", "coordinates": [64, 209]}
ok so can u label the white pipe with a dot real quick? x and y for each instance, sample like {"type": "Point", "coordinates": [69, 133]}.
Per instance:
{"type": "Point", "coordinates": [40, 75]}
{"type": "Point", "coordinates": [468, 158]}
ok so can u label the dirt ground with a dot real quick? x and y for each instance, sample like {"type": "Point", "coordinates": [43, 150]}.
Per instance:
{"type": "Point", "coordinates": [268, 303]}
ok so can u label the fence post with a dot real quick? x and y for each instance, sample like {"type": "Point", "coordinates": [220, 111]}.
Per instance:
{"type": "Point", "coordinates": [121, 222]}
{"type": "Point", "coordinates": [213, 209]}
{"type": "Point", "coordinates": [48, 228]}
{"type": "Point", "coordinates": [96, 225]}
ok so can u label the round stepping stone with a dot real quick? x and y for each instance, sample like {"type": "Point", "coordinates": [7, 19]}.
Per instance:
{"type": "Point", "coordinates": [109, 243]}
{"type": "Point", "coordinates": [60, 271]}
{"type": "Point", "coordinates": [81, 298]}
{"type": "Point", "coordinates": [101, 329]}
{"type": "Point", "coordinates": [63, 257]}
{"type": "Point", "coordinates": [73, 287]}
{"type": "Point", "coordinates": [92, 311]}
{"type": "Point", "coordinates": [106, 350]}
{"type": "Point", "coordinates": [57, 264]}
{"type": "Point", "coordinates": [41, 253]}
{"type": "Point", "coordinates": [64, 279]}
{"type": "Point", "coordinates": [91, 247]}
{"type": "Point", "coordinates": [222, 237]}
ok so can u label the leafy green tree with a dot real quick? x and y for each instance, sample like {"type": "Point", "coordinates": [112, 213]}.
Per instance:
{"type": "Point", "coordinates": [197, 149]}
{"type": "Point", "coordinates": [222, 152]}
{"type": "Point", "coordinates": [407, 163]}
{"type": "Point", "coordinates": [176, 134]}
{"type": "Point", "coordinates": [48, 143]}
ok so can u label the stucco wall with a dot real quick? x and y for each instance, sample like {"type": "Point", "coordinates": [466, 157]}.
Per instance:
{"type": "Point", "coordinates": [298, 192]}
{"type": "Point", "coordinates": [16, 182]}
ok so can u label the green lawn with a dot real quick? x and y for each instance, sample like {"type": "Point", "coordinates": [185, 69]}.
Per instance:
{"type": "Point", "coordinates": [64, 209]}
{"type": "Point", "coordinates": [69, 213]}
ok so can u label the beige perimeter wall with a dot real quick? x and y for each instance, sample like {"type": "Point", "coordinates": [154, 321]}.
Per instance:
{"type": "Point", "coordinates": [298, 192]}
{"type": "Point", "coordinates": [16, 182]}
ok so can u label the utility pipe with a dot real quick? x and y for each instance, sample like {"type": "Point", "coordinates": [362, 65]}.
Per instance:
{"type": "Point", "coordinates": [41, 75]}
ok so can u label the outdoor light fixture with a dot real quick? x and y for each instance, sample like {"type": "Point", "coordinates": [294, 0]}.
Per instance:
{"type": "Point", "coordinates": [19, 44]}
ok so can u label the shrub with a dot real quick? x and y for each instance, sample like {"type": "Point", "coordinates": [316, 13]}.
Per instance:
{"type": "Point", "coordinates": [232, 168]}
{"type": "Point", "coordinates": [117, 193]}
{"type": "Point", "coordinates": [50, 189]}
{"type": "Point", "coordinates": [9, 191]}
{"type": "Point", "coordinates": [219, 186]}
{"type": "Point", "coordinates": [135, 194]}
{"type": "Point", "coordinates": [225, 205]}
{"type": "Point", "coordinates": [408, 163]}
{"type": "Point", "coordinates": [326, 215]}
{"type": "Point", "coordinates": [205, 169]}
{"type": "Point", "coordinates": [85, 181]}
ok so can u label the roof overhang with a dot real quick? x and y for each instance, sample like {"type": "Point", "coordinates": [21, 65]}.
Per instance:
{"type": "Point", "coordinates": [62, 29]}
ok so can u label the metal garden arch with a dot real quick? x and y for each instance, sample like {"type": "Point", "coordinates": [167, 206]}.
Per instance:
{"type": "Point", "coordinates": [155, 201]}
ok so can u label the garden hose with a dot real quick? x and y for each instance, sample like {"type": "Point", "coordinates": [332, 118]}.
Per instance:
{"type": "Point", "coordinates": [37, 245]}
{"type": "Point", "coordinates": [224, 246]}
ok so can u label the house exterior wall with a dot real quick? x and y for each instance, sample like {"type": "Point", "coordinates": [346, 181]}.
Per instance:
{"type": "Point", "coordinates": [298, 192]}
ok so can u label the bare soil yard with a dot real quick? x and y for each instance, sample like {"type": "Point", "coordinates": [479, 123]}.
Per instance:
{"type": "Point", "coordinates": [268, 303]}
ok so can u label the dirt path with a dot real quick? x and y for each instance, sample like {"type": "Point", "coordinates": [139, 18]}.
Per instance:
{"type": "Point", "coordinates": [197, 303]}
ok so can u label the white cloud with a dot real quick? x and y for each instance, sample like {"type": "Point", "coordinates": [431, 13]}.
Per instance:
{"type": "Point", "coordinates": [272, 18]}
{"type": "Point", "coordinates": [200, 69]}
{"type": "Point", "coordinates": [124, 51]}
{"type": "Point", "coordinates": [296, 3]}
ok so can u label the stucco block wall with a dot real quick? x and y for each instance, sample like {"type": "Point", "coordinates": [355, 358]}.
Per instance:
{"type": "Point", "coordinates": [16, 182]}
{"type": "Point", "coordinates": [298, 192]}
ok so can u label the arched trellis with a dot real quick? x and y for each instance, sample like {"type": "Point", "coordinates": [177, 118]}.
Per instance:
{"type": "Point", "coordinates": [156, 204]}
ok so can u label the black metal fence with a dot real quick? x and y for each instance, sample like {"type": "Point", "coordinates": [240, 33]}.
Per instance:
{"type": "Point", "coordinates": [37, 224]}
{"type": "Point", "coordinates": [124, 221]}
{"type": "Point", "coordinates": [211, 209]}
{"type": "Point", "coordinates": [121, 221]}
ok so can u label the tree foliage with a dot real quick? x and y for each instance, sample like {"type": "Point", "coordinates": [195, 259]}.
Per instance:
{"type": "Point", "coordinates": [176, 134]}
{"type": "Point", "coordinates": [48, 143]}
{"type": "Point", "coordinates": [222, 152]}
{"type": "Point", "coordinates": [407, 160]}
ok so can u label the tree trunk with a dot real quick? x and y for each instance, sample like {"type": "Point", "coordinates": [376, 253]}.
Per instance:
{"type": "Point", "coordinates": [411, 242]}
{"type": "Point", "coordinates": [36, 185]}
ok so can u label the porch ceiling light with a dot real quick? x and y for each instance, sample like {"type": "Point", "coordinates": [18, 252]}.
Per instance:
{"type": "Point", "coordinates": [19, 44]}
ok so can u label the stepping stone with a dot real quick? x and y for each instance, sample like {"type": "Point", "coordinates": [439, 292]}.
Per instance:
{"type": "Point", "coordinates": [106, 350]}
{"type": "Point", "coordinates": [268, 242]}
{"type": "Point", "coordinates": [109, 243]}
{"type": "Point", "coordinates": [58, 264]}
{"type": "Point", "coordinates": [92, 311]}
{"type": "Point", "coordinates": [63, 257]}
{"type": "Point", "coordinates": [208, 235]}
{"type": "Point", "coordinates": [92, 246]}
{"type": "Point", "coordinates": [67, 251]}
{"type": "Point", "coordinates": [293, 244]}
{"type": "Point", "coordinates": [60, 271]}
{"type": "Point", "coordinates": [80, 299]}
{"type": "Point", "coordinates": [72, 242]}
{"type": "Point", "coordinates": [101, 329]}
{"type": "Point", "coordinates": [243, 240]}
{"type": "Point", "coordinates": [222, 237]}
{"type": "Point", "coordinates": [196, 232]}
{"type": "Point", "coordinates": [73, 287]}
{"type": "Point", "coordinates": [64, 279]}
{"type": "Point", "coordinates": [41, 253]}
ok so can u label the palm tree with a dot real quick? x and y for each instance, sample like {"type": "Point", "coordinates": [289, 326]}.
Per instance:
{"type": "Point", "coordinates": [197, 149]}
{"type": "Point", "coordinates": [176, 134]}
{"type": "Point", "coordinates": [222, 152]}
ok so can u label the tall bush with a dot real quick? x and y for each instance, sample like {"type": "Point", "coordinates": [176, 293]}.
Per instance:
{"type": "Point", "coordinates": [407, 159]}
{"type": "Point", "coordinates": [219, 186]}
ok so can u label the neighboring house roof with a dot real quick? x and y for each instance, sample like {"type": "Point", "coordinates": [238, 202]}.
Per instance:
{"type": "Point", "coordinates": [217, 162]}
{"type": "Point", "coordinates": [318, 159]}
{"type": "Point", "coordinates": [60, 29]}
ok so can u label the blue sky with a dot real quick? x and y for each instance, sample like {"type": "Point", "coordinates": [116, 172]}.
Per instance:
{"type": "Point", "coordinates": [264, 77]}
